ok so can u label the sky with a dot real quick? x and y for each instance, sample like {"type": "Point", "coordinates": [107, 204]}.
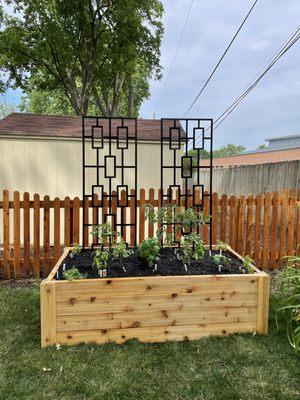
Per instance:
{"type": "Point", "coordinates": [271, 109]}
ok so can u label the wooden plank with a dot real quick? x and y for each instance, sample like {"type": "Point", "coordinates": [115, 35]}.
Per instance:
{"type": "Point", "coordinates": [26, 228]}
{"type": "Point", "coordinates": [274, 231]}
{"type": "Point", "coordinates": [241, 225]}
{"type": "Point", "coordinates": [48, 313]}
{"type": "Point", "coordinates": [151, 201]}
{"type": "Point", "coordinates": [266, 231]}
{"type": "Point", "coordinates": [161, 317]}
{"type": "Point", "coordinates": [95, 216]}
{"type": "Point", "coordinates": [249, 225]}
{"type": "Point", "coordinates": [36, 235]}
{"type": "Point", "coordinates": [232, 222]}
{"type": "Point", "coordinates": [223, 233]}
{"type": "Point", "coordinates": [6, 235]}
{"type": "Point", "coordinates": [298, 224]}
{"type": "Point", "coordinates": [56, 229]}
{"type": "Point", "coordinates": [114, 210]}
{"type": "Point", "coordinates": [142, 216]}
{"type": "Point", "coordinates": [67, 228]}
{"type": "Point", "coordinates": [215, 204]}
{"type": "Point", "coordinates": [263, 303]}
{"type": "Point", "coordinates": [283, 218]}
{"type": "Point", "coordinates": [46, 244]}
{"type": "Point", "coordinates": [155, 334]}
{"type": "Point", "coordinates": [17, 244]}
{"type": "Point", "coordinates": [86, 220]}
{"type": "Point", "coordinates": [206, 214]}
{"type": "Point", "coordinates": [76, 213]}
{"type": "Point", "coordinates": [291, 224]}
{"type": "Point", "coordinates": [132, 217]}
{"type": "Point", "coordinates": [257, 229]}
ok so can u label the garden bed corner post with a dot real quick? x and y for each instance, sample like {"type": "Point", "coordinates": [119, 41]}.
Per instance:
{"type": "Point", "coordinates": [48, 313]}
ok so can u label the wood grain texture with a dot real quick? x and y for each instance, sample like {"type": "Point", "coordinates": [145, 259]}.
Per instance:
{"type": "Point", "coordinates": [154, 309]}
{"type": "Point", "coordinates": [48, 313]}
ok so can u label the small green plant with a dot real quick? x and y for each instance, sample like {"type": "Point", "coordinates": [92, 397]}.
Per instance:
{"type": "Point", "coordinates": [103, 232]}
{"type": "Point", "coordinates": [73, 274]}
{"type": "Point", "coordinates": [120, 251]}
{"type": "Point", "coordinates": [149, 250]}
{"type": "Point", "coordinates": [220, 260]}
{"type": "Point", "coordinates": [192, 248]}
{"type": "Point", "coordinates": [290, 301]}
{"type": "Point", "coordinates": [100, 261]}
{"type": "Point", "coordinates": [75, 249]}
{"type": "Point", "coordinates": [249, 264]}
{"type": "Point", "coordinates": [221, 246]}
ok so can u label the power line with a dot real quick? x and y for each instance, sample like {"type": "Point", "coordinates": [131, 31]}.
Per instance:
{"type": "Point", "coordinates": [175, 55]}
{"type": "Point", "coordinates": [221, 59]}
{"type": "Point", "coordinates": [292, 39]}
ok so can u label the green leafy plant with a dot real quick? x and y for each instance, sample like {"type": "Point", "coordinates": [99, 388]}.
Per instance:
{"type": "Point", "coordinates": [221, 246]}
{"type": "Point", "coordinates": [75, 249]}
{"type": "Point", "coordinates": [149, 250]}
{"type": "Point", "coordinates": [103, 232]}
{"type": "Point", "coordinates": [220, 260]}
{"type": "Point", "coordinates": [290, 301]}
{"type": "Point", "coordinates": [192, 248]}
{"type": "Point", "coordinates": [100, 260]}
{"type": "Point", "coordinates": [120, 251]}
{"type": "Point", "coordinates": [73, 274]}
{"type": "Point", "coordinates": [249, 264]}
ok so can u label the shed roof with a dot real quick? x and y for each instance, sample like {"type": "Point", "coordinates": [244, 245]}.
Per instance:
{"type": "Point", "coordinates": [262, 157]}
{"type": "Point", "coordinates": [41, 125]}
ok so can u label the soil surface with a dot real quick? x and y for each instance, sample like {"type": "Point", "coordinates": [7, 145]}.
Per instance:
{"type": "Point", "coordinates": [168, 264]}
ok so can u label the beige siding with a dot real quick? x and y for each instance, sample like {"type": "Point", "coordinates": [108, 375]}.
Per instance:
{"type": "Point", "coordinates": [53, 166]}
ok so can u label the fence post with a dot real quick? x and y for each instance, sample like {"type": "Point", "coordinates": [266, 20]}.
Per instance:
{"type": "Point", "coordinates": [26, 202]}
{"type": "Point", "coordinates": [36, 235]}
{"type": "Point", "coordinates": [17, 244]}
{"type": "Point", "coordinates": [6, 233]}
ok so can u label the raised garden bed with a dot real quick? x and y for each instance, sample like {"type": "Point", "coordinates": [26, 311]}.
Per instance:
{"type": "Point", "coordinates": [156, 306]}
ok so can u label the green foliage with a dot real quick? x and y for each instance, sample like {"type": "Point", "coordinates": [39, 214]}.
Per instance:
{"type": "Point", "coordinates": [249, 264]}
{"type": "Point", "coordinates": [88, 53]}
{"type": "Point", "coordinates": [100, 259]}
{"type": "Point", "coordinates": [221, 246]}
{"type": "Point", "coordinates": [290, 301]}
{"type": "Point", "coordinates": [73, 274]}
{"type": "Point", "coordinates": [6, 108]}
{"type": "Point", "coordinates": [149, 251]}
{"type": "Point", "coordinates": [220, 259]}
{"type": "Point", "coordinates": [76, 249]}
{"type": "Point", "coordinates": [192, 249]}
{"type": "Point", "coordinates": [103, 232]}
{"type": "Point", "coordinates": [224, 151]}
{"type": "Point", "coordinates": [120, 251]}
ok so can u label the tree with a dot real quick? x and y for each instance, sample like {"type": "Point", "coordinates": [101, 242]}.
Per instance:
{"type": "Point", "coordinates": [225, 151]}
{"type": "Point", "coordinates": [91, 51]}
{"type": "Point", "coordinates": [5, 109]}
{"type": "Point", "coordinates": [262, 147]}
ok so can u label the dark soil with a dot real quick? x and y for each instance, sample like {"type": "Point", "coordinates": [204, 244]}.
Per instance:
{"type": "Point", "coordinates": [168, 264]}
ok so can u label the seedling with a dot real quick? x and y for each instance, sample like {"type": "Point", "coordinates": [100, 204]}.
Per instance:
{"type": "Point", "coordinates": [75, 250]}
{"type": "Point", "coordinates": [100, 260]}
{"type": "Point", "coordinates": [120, 252]}
{"type": "Point", "coordinates": [220, 260]}
{"type": "Point", "coordinates": [193, 248]}
{"type": "Point", "coordinates": [73, 274]}
{"type": "Point", "coordinates": [249, 264]}
{"type": "Point", "coordinates": [149, 250]}
{"type": "Point", "coordinates": [103, 232]}
{"type": "Point", "coordinates": [221, 246]}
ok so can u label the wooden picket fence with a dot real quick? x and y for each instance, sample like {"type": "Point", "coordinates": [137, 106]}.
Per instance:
{"type": "Point", "coordinates": [36, 230]}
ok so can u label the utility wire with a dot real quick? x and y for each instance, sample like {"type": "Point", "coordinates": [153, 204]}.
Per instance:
{"type": "Point", "coordinates": [293, 38]}
{"type": "Point", "coordinates": [221, 59]}
{"type": "Point", "coordinates": [175, 56]}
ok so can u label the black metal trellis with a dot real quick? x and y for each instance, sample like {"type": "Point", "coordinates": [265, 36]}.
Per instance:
{"type": "Point", "coordinates": [183, 135]}
{"type": "Point", "coordinates": [112, 135]}
{"type": "Point", "coordinates": [108, 140]}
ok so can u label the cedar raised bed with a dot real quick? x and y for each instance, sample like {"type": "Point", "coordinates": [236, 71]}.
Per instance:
{"type": "Point", "coordinates": [152, 308]}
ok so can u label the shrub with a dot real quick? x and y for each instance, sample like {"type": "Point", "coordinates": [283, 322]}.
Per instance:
{"type": "Point", "coordinates": [149, 251]}
{"type": "Point", "coordinates": [72, 274]}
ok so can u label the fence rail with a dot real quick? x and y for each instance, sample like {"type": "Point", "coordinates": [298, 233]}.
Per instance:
{"type": "Point", "coordinates": [35, 230]}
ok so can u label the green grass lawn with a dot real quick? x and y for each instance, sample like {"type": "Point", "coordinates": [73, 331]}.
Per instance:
{"type": "Point", "coordinates": [241, 367]}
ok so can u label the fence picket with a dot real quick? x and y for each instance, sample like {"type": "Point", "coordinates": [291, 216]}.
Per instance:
{"type": "Point", "coordinates": [56, 229]}
{"type": "Point", "coordinates": [214, 213]}
{"type": "Point", "coordinates": [6, 233]}
{"type": "Point", "coordinates": [241, 225]}
{"type": "Point", "coordinates": [36, 235]}
{"type": "Point", "coordinates": [223, 218]}
{"type": "Point", "coordinates": [291, 223]}
{"type": "Point", "coordinates": [26, 227]}
{"type": "Point", "coordinates": [46, 235]}
{"type": "Point", "coordinates": [132, 216]}
{"type": "Point", "coordinates": [274, 230]}
{"type": "Point", "coordinates": [142, 216]}
{"type": "Point", "coordinates": [232, 222]}
{"type": "Point", "coordinates": [249, 226]}
{"type": "Point", "coordinates": [67, 229]}
{"type": "Point", "coordinates": [76, 230]}
{"type": "Point", "coordinates": [257, 228]}
{"type": "Point", "coordinates": [283, 216]}
{"type": "Point", "coordinates": [17, 242]}
{"type": "Point", "coordinates": [266, 231]}
{"type": "Point", "coordinates": [151, 202]}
